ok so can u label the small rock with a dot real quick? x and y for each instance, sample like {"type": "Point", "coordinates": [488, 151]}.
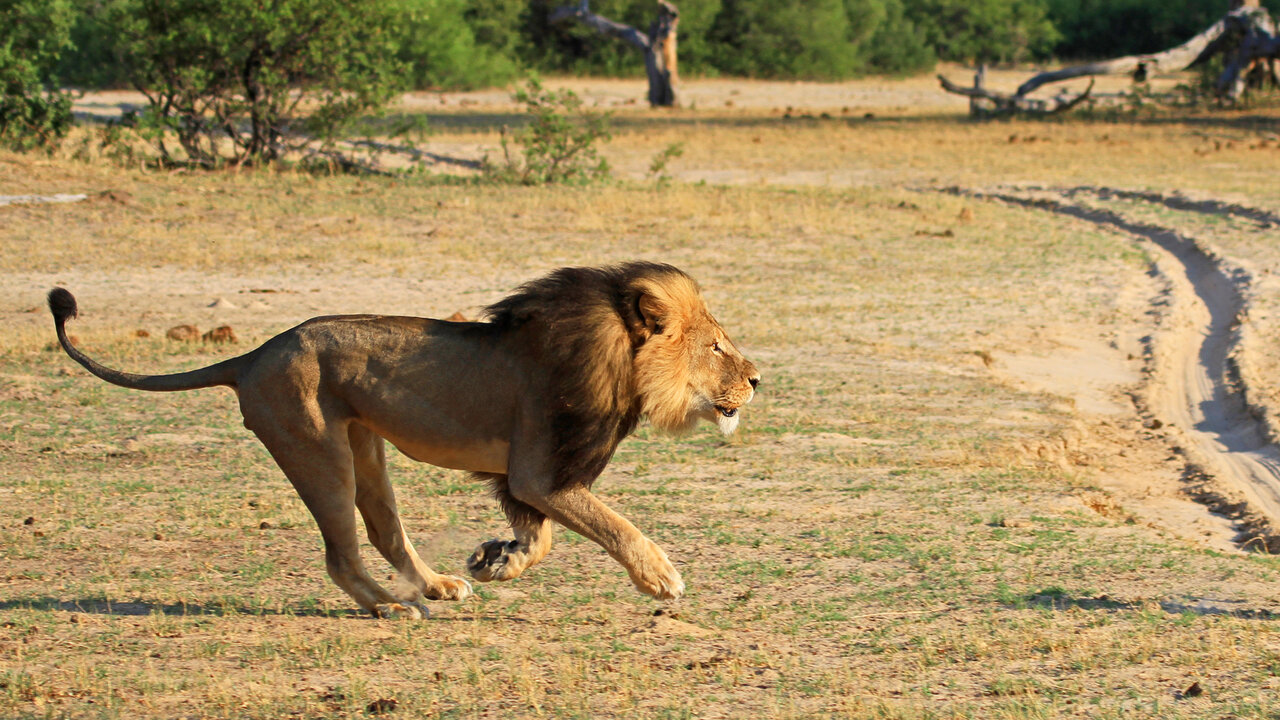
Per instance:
{"type": "Point", "coordinates": [1194, 690]}
{"type": "Point", "coordinates": [264, 525]}
{"type": "Point", "coordinates": [140, 333]}
{"type": "Point", "coordinates": [381, 706]}
{"type": "Point", "coordinates": [183, 333]}
{"type": "Point", "coordinates": [29, 521]}
{"type": "Point", "coordinates": [220, 334]}
{"type": "Point", "coordinates": [222, 304]}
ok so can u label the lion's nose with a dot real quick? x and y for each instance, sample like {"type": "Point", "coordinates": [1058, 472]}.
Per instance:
{"type": "Point", "coordinates": [755, 382]}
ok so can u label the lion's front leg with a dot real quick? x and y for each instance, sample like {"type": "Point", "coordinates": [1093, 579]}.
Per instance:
{"type": "Point", "coordinates": [580, 511]}
{"type": "Point", "coordinates": [507, 559]}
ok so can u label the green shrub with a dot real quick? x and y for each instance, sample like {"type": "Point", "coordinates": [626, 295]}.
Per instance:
{"type": "Point", "coordinates": [764, 38]}
{"type": "Point", "coordinates": [34, 113]}
{"type": "Point", "coordinates": [559, 143]}
{"type": "Point", "coordinates": [984, 30]}
{"type": "Point", "coordinates": [438, 47]}
{"type": "Point", "coordinates": [247, 81]}
{"type": "Point", "coordinates": [1113, 28]}
{"type": "Point", "coordinates": [896, 46]}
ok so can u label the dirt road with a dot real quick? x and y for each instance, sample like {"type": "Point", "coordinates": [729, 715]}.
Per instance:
{"type": "Point", "coordinates": [1194, 392]}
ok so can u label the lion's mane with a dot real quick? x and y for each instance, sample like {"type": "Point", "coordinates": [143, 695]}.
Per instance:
{"type": "Point", "coordinates": [607, 362]}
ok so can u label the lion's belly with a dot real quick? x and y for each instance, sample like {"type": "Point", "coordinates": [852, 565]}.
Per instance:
{"type": "Point", "coordinates": [477, 456]}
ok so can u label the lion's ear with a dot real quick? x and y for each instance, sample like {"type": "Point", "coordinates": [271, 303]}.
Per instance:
{"type": "Point", "coordinates": [652, 313]}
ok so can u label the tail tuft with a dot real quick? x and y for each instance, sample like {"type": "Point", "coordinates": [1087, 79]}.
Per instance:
{"type": "Point", "coordinates": [62, 304]}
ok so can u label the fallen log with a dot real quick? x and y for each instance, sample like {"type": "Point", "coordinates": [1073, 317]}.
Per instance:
{"type": "Point", "coordinates": [1246, 36]}
{"type": "Point", "coordinates": [1005, 104]}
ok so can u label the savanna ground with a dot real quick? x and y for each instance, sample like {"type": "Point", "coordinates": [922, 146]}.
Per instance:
{"type": "Point", "coordinates": [942, 503]}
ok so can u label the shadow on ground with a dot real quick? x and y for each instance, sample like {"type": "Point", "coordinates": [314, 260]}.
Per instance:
{"type": "Point", "coordinates": [1195, 606]}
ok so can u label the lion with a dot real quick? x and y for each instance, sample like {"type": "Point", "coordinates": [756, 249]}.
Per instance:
{"type": "Point", "coordinates": [534, 400]}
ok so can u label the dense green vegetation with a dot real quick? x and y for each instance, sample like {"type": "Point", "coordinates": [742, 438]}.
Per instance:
{"type": "Point", "coordinates": [471, 43]}
{"type": "Point", "coordinates": [209, 64]}
{"type": "Point", "coordinates": [34, 113]}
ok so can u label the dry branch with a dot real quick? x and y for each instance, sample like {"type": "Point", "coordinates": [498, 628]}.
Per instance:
{"type": "Point", "coordinates": [658, 45]}
{"type": "Point", "coordinates": [1246, 36]}
{"type": "Point", "coordinates": [1005, 104]}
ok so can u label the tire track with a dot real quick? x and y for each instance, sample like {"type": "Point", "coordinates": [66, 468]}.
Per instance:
{"type": "Point", "coordinates": [1194, 383]}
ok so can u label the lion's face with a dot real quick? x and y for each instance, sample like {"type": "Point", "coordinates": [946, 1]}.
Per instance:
{"type": "Point", "coordinates": [689, 369]}
{"type": "Point", "coordinates": [720, 378]}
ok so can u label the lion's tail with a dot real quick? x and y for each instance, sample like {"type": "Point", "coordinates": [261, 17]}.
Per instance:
{"type": "Point", "coordinates": [63, 306]}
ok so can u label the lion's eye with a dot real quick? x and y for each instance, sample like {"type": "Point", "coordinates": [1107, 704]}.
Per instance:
{"type": "Point", "coordinates": [715, 348]}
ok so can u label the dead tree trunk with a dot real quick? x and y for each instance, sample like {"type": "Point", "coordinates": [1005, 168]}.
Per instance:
{"type": "Point", "coordinates": [658, 46]}
{"type": "Point", "coordinates": [1246, 36]}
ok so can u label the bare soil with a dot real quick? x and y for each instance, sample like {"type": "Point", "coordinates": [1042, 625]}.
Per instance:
{"type": "Point", "coordinates": [992, 471]}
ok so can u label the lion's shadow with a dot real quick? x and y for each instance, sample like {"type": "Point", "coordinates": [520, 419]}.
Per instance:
{"type": "Point", "coordinates": [103, 606]}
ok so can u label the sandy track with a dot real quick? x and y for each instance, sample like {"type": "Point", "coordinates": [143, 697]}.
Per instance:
{"type": "Point", "coordinates": [1194, 388]}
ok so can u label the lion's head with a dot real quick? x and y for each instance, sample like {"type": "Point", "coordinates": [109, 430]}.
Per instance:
{"type": "Point", "coordinates": [620, 343]}
{"type": "Point", "coordinates": [687, 368]}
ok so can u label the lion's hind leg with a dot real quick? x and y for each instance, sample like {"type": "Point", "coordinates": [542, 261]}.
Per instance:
{"type": "Point", "coordinates": [377, 504]}
{"type": "Point", "coordinates": [315, 455]}
{"type": "Point", "coordinates": [507, 559]}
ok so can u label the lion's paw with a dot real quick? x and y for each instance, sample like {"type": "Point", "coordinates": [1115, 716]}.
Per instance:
{"type": "Point", "coordinates": [400, 611]}
{"type": "Point", "coordinates": [449, 587]}
{"type": "Point", "coordinates": [656, 575]}
{"type": "Point", "coordinates": [496, 560]}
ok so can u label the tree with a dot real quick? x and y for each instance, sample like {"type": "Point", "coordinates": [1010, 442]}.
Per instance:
{"type": "Point", "coordinates": [34, 113]}
{"type": "Point", "coordinates": [439, 48]}
{"type": "Point", "coordinates": [658, 45]}
{"type": "Point", "coordinates": [246, 81]}
{"type": "Point", "coordinates": [764, 38]}
{"type": "Point", "coordinates": [984, 30]}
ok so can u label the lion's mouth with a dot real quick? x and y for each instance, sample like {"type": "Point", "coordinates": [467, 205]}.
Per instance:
{"type": "Point", "coordinates": [726, 411]}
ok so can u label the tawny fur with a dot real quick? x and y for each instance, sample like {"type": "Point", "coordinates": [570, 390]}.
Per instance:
{"type": "Point", "coordinates": [535, 400]}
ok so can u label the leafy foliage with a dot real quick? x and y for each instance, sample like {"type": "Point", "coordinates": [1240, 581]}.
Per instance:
{"type": "Point", "coordinates": [33, 34]}
{"type": "Point", "coordinates": [439, 48]}
{"type": "Point", "coordinates": [984, 30]}
{"type": "Point", "coordinates": [762, 38]}
{"type": "Point", "coordinates": [559, 143]}
{"type": "Point", "coordinates": [245, 81]}
{"type": "Point", "coordinates": [1111, 28]}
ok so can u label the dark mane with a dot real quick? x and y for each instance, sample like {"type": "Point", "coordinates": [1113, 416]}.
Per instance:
{"type": "Point", "coordinates": [586, 328]}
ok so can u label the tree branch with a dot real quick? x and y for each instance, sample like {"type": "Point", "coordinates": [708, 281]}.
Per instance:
{"type": "Point", "coordinates": [1007, 104]}
{"type": "Point", "coordinates": [602, 25]}
{"type": "Point", "coordinates": [1248, 27]}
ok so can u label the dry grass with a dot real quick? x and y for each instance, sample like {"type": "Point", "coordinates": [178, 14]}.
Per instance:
{"type": "Point", "coordinates": [886, 538]}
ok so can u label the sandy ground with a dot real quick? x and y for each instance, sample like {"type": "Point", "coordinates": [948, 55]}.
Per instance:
{"type": "Point", "coordinates": [1185, 381]}
{"type": "Point", "coordinates": [1186, 385]}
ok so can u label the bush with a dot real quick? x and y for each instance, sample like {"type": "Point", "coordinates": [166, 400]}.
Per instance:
{"type": "Point", "coordinates": [439, 48]}
{"type": "Point", "coordinates": [1112, 28]}
{"type": "Point", "coordinates": [93, 60]}
{"type": "Point", "coordinates": [764, 38]}
{"type": "Point", "coordinates": [34, 114]}
{"type": "Point", "coordinates": [246, 81]}
{"type": "Point", "coordinates": [559, 142]}
{"type": "Point", "coordinates": [896, 46]}
{"type": "Point", "coordinates": [821, 39]}
{"type": "Point", "coordinates": [984, 30]}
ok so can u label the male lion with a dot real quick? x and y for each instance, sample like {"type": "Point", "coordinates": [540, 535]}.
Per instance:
{"type": "Point", "coordinates": [535, 400]}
